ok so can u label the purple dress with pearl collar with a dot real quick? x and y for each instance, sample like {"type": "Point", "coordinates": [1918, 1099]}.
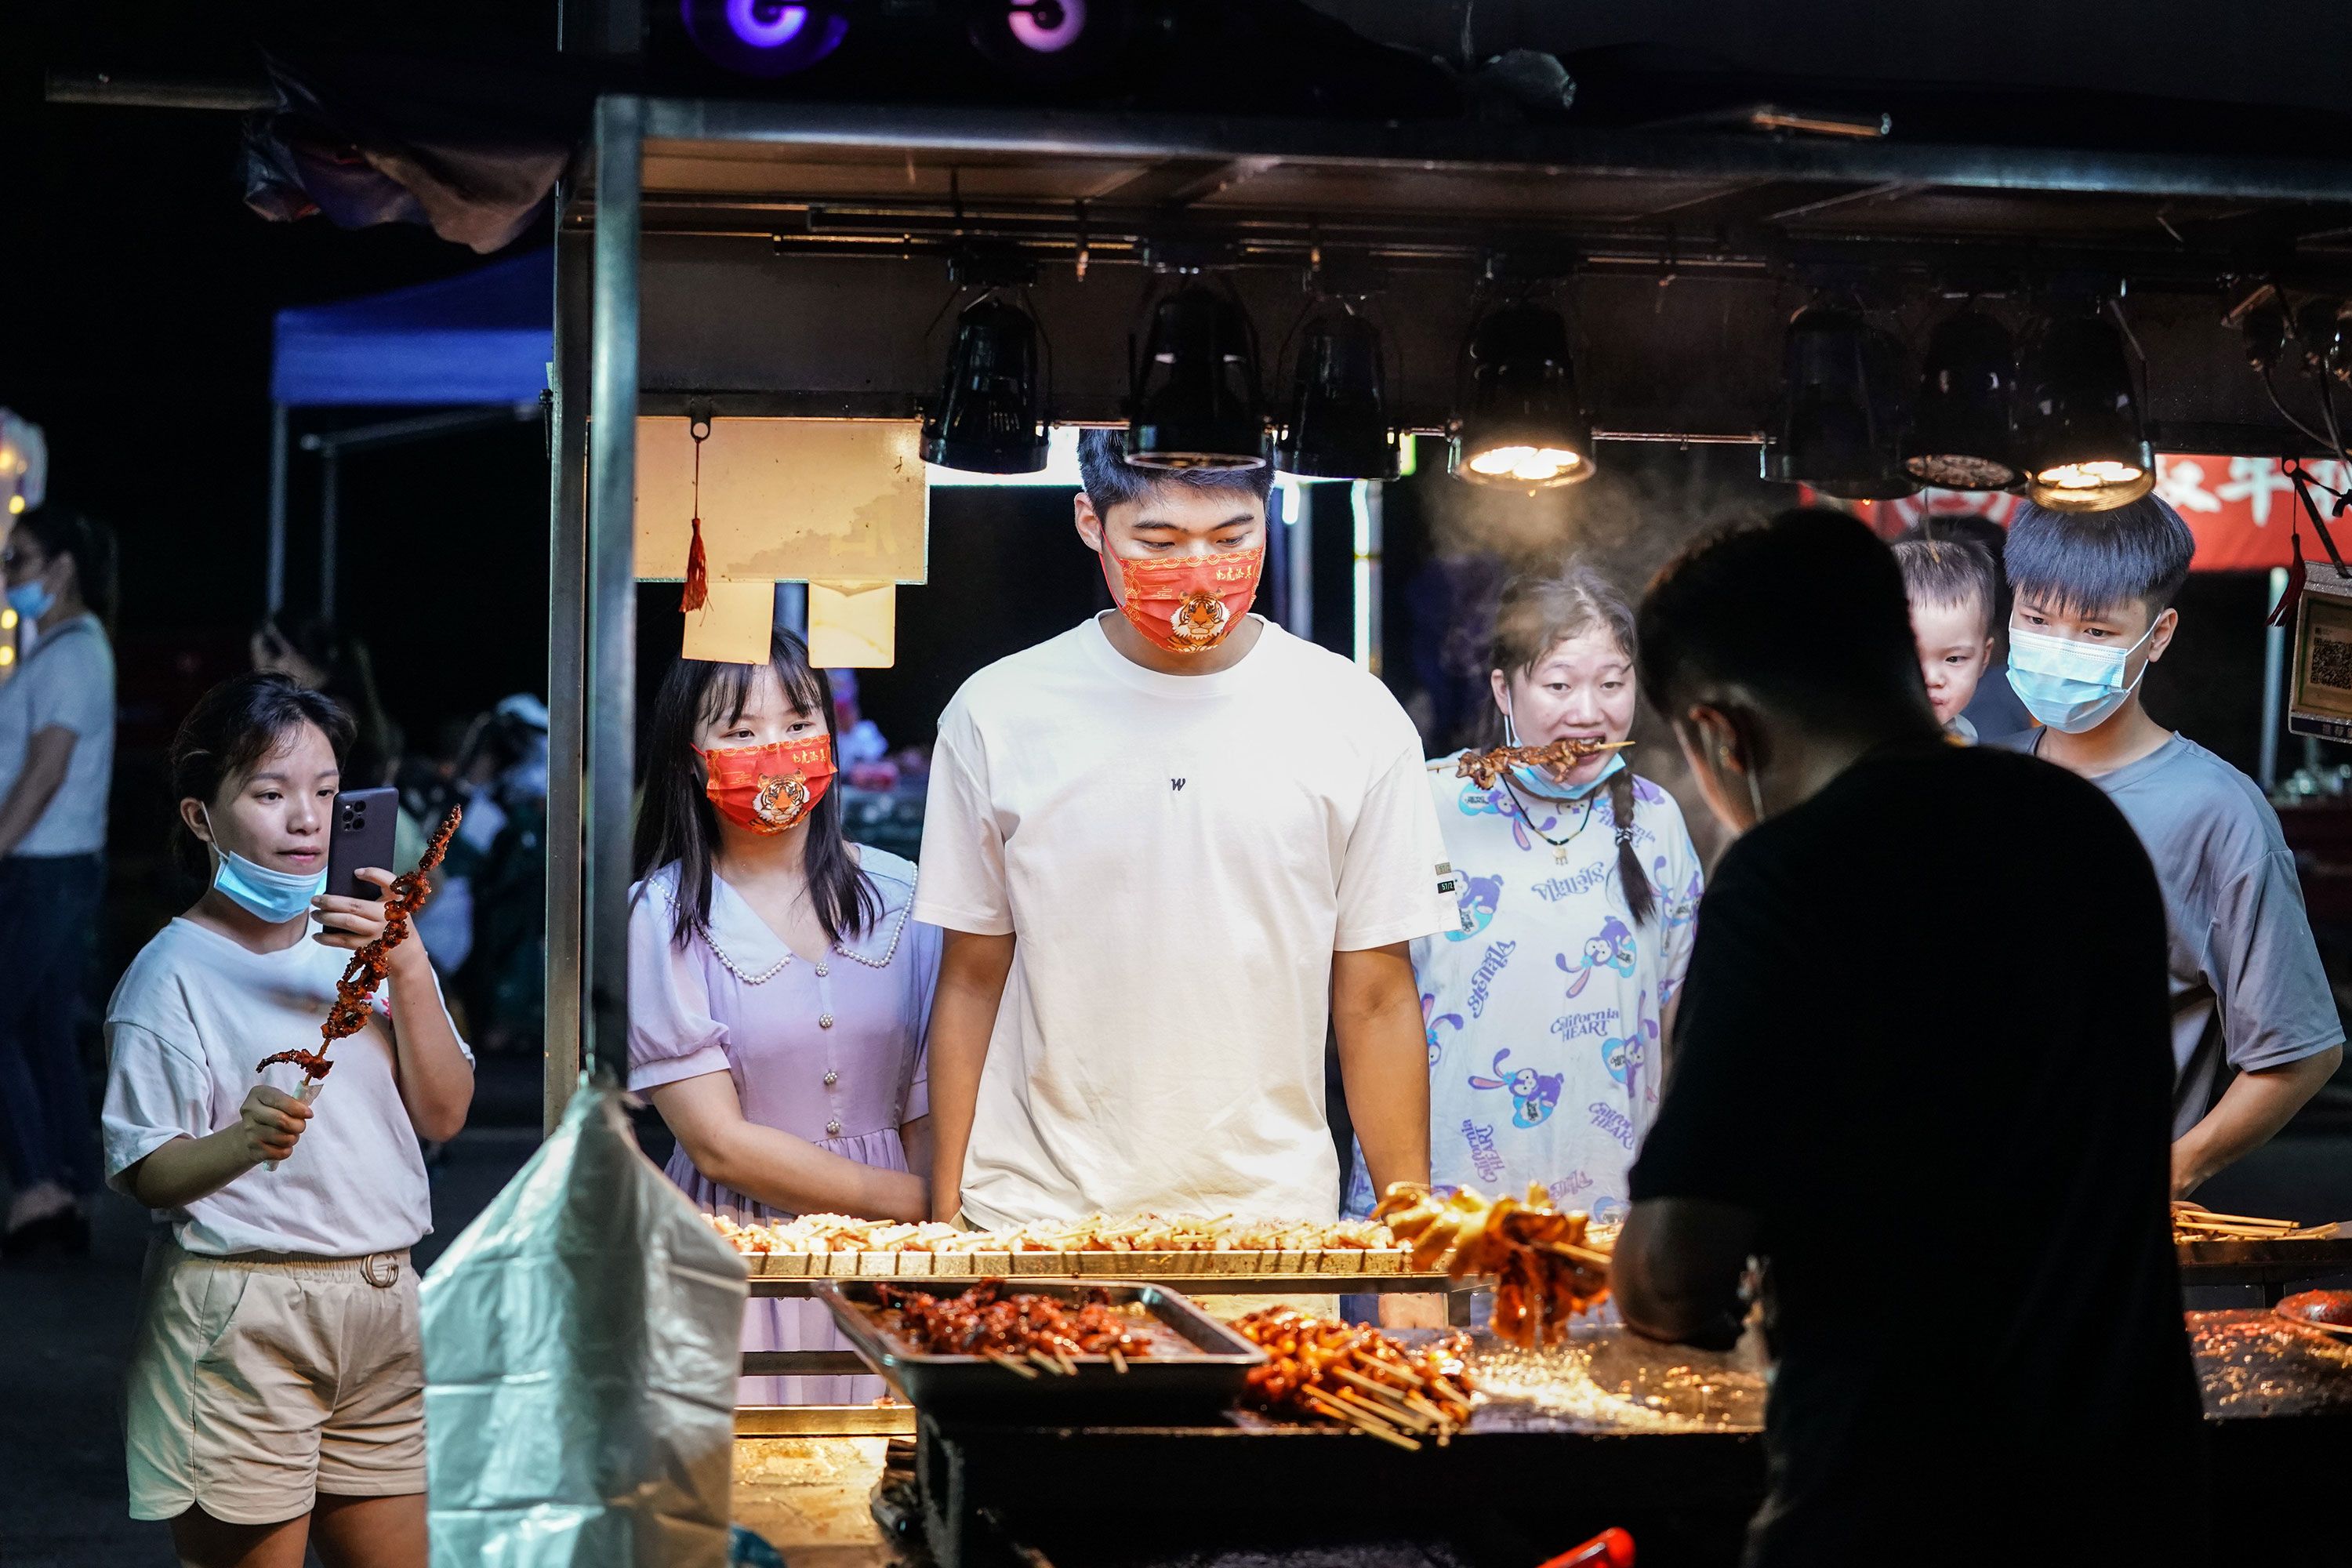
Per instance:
{"type": "Point", "coordinates": [830, 1051]}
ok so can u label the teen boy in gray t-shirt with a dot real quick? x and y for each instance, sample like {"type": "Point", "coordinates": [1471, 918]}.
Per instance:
{"type": "Point", "coordinates": [2093, 610]}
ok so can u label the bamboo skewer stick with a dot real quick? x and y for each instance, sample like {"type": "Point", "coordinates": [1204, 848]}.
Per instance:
{"type": "Point", "coordinates": [1009, 1364]}
{"type": "Point", "coordinates": [1362, 1423]}
{"type": "Point", "coordinates": [1118, 1362]}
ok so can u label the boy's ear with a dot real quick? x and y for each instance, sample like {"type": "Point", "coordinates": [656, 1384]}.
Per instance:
{"type": "Point", "coordinates": [2159, 635]}
{"type": "Point", "coordinates": [1089, 522]}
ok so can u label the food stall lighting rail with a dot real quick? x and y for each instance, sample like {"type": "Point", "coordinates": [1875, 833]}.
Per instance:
{"type": "Point", "coordinates": [901, 130]}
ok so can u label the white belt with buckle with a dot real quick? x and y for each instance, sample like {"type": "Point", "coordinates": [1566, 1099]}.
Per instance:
{"type": "Point", "coordinates": [382, 1269]}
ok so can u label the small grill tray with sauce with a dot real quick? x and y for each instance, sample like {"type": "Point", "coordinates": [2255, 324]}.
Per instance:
{"type": "Point", "coordinates": [1152, 1389]}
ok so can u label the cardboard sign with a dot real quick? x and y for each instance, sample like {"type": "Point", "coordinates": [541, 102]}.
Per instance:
{"type": "Point", "coordinates": [785, 500]}
{"type": "Point", "coordinates": [853, 626]}
{"type": "Point", "coordinates": [734, 624]}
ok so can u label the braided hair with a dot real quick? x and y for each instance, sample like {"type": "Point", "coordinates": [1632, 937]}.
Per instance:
{"type": "Point", "coordinates": [1538, 613]}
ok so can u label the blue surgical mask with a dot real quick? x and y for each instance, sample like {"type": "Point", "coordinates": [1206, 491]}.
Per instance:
{"type": "Point", "coordinates": [276, 897]}
{"type": "Point", "coordinates": [2068, 685]}
{"type": "Point", "coordinates": [31, 600]}
{"type": "Point", "coordinates": [1536, 782]}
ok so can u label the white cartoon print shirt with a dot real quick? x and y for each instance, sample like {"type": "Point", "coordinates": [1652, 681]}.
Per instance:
{"type": "Point", "coordinates": [1543, 1011]}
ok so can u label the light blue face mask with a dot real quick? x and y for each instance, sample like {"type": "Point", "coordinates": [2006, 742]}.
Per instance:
{"type": "Point", "coordinates": [276, 897]}
{"type": "Point", "coordinates": [31, 600]}
{"type": "Point", "coordinates": [2068, 685]}
{"type": "Point", "coordinates": [1536, 782]}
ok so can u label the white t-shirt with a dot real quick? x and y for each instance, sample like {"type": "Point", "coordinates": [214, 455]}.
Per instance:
{"type": "Point", "coordinates": [192, 1016]}
{"type": "Point", "coordinates": [67, 683]}
{"type": "Point", "coordinates": [1179, 855]}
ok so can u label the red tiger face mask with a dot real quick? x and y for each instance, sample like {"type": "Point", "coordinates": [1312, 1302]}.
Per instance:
{"type": "Point", "coordinates": [769, 789]}
{"type": "Point", "coordinates": [1187, 605]}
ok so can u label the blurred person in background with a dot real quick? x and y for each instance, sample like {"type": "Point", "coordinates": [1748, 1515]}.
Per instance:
{"type": "Point", "coordinates": [316, 654]}
{"type": "Point", "coordinates": [506, 777]}
{"type": "Point", "coordinates": [57, 761]}
{"type": "Point", "coordinates": [430, 784]}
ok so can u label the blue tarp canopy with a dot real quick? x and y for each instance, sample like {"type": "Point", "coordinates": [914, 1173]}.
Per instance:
{"type": "Point", "coordinates": [485, 337]}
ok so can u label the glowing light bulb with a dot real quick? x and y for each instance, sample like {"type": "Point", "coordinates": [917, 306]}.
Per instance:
{"type": "Point", "coordinates": [8, 655]}
{"type": "Point", "coordinates": [7, 620]}
{"type": "Point", "coordinates": [15, 503]}
{"type": "Point", "coordinates": [2090, 476]}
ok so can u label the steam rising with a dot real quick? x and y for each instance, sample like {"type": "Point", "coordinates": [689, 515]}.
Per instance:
{"type": "Point", "coordinates": [1645, 503]}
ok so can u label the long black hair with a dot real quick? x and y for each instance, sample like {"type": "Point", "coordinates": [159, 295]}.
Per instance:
{"type": "Point", "coordinates": [60, 531]}
{"type": "Point", "coordinates": [1538, 613]}
{"type": "Point", "coordinates": [676, 822]}
{"type": "Point", "coordinates": [233, 727]}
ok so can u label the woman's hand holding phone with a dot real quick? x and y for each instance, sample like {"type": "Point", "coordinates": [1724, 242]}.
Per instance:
{"type": "Point", "coordinates": [352, 923]}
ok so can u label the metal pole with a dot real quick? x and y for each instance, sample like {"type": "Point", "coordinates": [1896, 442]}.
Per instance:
{"type": "Point", "coordinates": [2273, 687]}
{"type": "Point", "coordinates": [330, 495]}
{"type": "Point", "coordinates": [611, 663]}
{"type": "Point", "coordinates": [274, 584]}
{"type": "Point", "coordinates": [1364, 503]}
{"type": "Point", "coordinates": [792, 608]}
{"type": "Point", "coordinates": [1298, 538]}
{"type": "Point", "coordinates": [567, 644]}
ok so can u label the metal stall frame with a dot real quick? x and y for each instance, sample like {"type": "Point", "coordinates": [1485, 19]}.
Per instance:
{"type": "Point", "coordinates": [1630, 208]}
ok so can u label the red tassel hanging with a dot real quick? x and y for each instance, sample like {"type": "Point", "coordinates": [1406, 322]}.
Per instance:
{"type": "Point", "coordinates": [697, 565]}
{"type": "Point", "coordinates": [697, 574]}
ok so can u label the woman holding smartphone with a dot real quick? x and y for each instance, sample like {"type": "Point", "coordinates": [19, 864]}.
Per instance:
{"type": "Point", "coordinates": [779, 994]}
{"type": "Point", "coordinates": [276, 1396]}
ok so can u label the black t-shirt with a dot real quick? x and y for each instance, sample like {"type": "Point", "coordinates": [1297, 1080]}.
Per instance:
{"type": "Point", "coordinates": [1925, 1039]}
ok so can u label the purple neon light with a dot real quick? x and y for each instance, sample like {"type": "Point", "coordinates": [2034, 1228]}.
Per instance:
{"type": "Point", "coordinates": [764, 24]}
{"type": "Point", "coordinates": [1034, 34]}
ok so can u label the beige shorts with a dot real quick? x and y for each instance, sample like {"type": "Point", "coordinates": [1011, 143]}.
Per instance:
{"type": "Point", "coordinates": [259, 1382]}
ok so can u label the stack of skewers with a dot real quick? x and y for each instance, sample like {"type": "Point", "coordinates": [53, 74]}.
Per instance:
{"type": "Point", "coordinates": [1022, 1333]}
{"type": "Point", "coordinates": [1359, 1377]}
{"type": "Point", "coordinates": [2191, 1223]}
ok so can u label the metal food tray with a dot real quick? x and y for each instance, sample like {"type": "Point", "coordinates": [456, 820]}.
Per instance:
{"type": "Point", "coordinates": [2270, 1263]}
{"type": "Point", "coordinates": [1151, 1389]}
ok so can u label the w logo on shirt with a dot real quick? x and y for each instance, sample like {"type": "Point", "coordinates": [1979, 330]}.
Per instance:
{"type": "Point", "coordinates": [1176, 785]}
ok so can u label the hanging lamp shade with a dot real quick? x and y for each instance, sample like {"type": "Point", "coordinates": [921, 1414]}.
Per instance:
{"type": "Point", "coordinates": [1963, 426]}
{"type": "Point", "coordinates": [1841, 415]}
{"type": "Point", "coordinates": [1194, 400]}
{"type": "Point", "coordinates": [990, 416]}
{"type": "Point", "coordinates": [2086, 448]}
{"type": "Point", "coordinates": [1517, 419]}
{"type": "Point", "coordinates": [1338, 427]}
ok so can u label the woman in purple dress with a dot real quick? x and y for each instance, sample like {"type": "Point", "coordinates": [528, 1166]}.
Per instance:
{"type": "Point", "coordinates": [779, 994]}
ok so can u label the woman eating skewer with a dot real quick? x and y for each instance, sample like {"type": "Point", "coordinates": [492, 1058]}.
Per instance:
{"type": "Point", "coordinates": [779, 994]}
{"type": "Point", "coordinates": [275, 1395]}
{"type": "Point", "coordinates": [1546, 1011]}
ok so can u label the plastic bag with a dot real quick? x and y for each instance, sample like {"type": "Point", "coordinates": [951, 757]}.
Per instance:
{"type": "Point", "coordinates": [581, 1355]}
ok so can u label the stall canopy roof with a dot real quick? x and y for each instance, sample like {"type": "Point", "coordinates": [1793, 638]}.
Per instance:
{"type": "Point", "coordinates": [485, 337]}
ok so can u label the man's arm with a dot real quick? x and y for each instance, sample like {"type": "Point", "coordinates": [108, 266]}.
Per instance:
{"type": "Point", "coordinates": [46, 756]}
{"type": "Point", "coordinates": [1383, 1060]}
{"type": "Point", "coordinates": [1676, 1270]}
{"type": "Point", "coordinates": [2248, 1115]}
{"type": "Point", "coordinates": [972, 969]}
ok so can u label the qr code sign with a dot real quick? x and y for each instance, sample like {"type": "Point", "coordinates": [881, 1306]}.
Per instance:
{"type": "Point", "coordinates": [2331, 663]}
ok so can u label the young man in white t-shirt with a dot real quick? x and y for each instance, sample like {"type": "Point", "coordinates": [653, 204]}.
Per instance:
{"type": "Point", "coordinates": [1167, 846]}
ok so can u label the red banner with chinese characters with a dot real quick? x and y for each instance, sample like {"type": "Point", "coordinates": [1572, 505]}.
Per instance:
{"type": "Point", "coordinates": [2241, 510]}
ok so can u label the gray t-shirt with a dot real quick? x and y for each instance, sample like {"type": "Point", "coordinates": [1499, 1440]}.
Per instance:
{"type": "Point", "coordinates": [67, 683]}
{"type": "Point", "coordinates": [2247, 984]}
